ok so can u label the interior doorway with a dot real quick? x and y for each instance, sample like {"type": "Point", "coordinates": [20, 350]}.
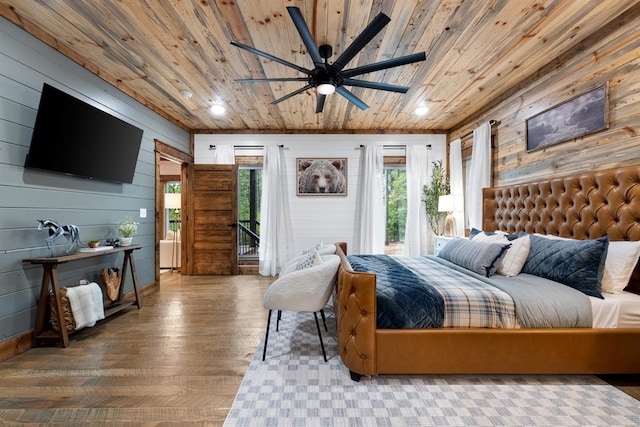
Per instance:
{"type": "Point", "coordinates": [170, 167]}
{"type": "Point", "coordinates": [170, 244]}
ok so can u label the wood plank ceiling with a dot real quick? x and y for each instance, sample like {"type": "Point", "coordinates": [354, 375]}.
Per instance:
{"type": "Point", "coordinates": [154, 49]}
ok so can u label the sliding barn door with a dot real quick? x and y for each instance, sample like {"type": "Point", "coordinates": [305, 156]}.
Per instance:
{"type": "Point", "coordinates": [212, 219]}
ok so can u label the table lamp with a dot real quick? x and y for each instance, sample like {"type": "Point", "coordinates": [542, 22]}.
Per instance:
{"type": "Point", "coordinates": [446, 204]}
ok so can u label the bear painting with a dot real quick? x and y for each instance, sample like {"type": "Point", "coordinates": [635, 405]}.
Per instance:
{"type": "Point", "coordinates": [322, 176]}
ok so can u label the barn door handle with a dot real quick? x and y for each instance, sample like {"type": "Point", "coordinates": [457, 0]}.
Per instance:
{"type": "Point", "coordinates": [234, 225]}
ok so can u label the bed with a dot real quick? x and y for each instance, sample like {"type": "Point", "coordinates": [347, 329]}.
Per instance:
{"type": "Point", "coordinates": [585, 207]}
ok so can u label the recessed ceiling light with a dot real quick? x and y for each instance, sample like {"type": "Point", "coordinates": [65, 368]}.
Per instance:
{"type": "Point", "coordinates": [186, 94]}
{"type": "Point", "coordinates": [421, 111]}
{"type": "Point", "coordinates": [217, 109]}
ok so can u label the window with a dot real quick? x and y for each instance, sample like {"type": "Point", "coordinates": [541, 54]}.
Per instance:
{"type": "Point", "coordinates": [173, 220]}
{"type": "Point", "coordinates": [395, 193]}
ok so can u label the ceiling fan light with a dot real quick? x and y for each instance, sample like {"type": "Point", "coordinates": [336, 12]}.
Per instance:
{"type": "Point", "coordinates": [326, 88]}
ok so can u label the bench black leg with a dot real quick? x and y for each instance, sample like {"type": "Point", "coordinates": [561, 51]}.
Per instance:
{"type": "Point", "coordinates": [278, 321]}
{"type": "Point", "coordinates": [324, 320]}
{"type": "Point", "coordinates": [324, 354]}
{"type": "Point", "coordinates": [266, 337]}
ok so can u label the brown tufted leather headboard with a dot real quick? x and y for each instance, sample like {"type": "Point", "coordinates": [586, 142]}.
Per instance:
{"type": "Point", "coordinates": [586, 206]}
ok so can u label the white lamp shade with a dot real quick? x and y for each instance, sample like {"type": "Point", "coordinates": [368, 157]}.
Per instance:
{"type": "Point", "coordinates": [172, 201]}
{"type": "Point", "coordinates": [446, 203]}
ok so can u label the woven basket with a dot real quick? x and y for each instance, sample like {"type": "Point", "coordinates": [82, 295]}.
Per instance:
{"type": "Point", "coordinates": [66, 311]}
{"type": "Point", "coordinates": [66, 308]}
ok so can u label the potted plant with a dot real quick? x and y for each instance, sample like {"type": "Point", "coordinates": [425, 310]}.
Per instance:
{"type": "Point", "coordinates": [93, 243]}
{"type": "Point", "coordinates": [431, 193]}
{"type": "Point", "coordinates": [127, 229]}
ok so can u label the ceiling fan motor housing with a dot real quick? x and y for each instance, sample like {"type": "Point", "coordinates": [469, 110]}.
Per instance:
{"type": "Point", "coordinates": [326, 51]}
{"type": "Point", "coordinates": [330, 75]}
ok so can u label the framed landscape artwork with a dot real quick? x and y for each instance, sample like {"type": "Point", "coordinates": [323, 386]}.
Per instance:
{"type": "Point", "coordinates": [321, 177]}
{"type": "Point", "coordinates": [582, 115]}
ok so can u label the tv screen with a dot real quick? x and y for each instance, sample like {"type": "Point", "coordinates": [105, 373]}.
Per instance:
{"type": "Point", "coordinates": [75, 138]}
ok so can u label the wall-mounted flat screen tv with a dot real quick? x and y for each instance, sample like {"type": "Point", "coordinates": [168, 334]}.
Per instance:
{"type": "Point", "coordinates": [75, 138]}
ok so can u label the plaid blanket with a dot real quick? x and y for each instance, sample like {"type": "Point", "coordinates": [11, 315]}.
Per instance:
{"type": "Point", "coordinates": [423, 293]}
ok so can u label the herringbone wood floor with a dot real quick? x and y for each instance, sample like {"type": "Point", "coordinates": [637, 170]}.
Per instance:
{"type": "Point", "coordinates": [180, 359]}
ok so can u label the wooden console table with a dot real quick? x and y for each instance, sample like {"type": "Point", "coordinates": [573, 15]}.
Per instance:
{"type": "Point", "coordinates": [50, 277]}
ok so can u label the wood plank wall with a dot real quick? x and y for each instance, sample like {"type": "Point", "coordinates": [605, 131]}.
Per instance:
{"type": "Point", "coordinates": [26, 195]}
{"type": "Point", "coordinates": [612, 56]}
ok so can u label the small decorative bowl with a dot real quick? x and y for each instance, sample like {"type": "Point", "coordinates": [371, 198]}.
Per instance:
{"type": "Point", "coordinates": [93, 244]}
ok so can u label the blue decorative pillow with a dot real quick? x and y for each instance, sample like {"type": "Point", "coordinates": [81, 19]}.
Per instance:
{"type": "Point", "coordinates": [575, 263]}
{"type": "Point", "coordinates": [479, 257]}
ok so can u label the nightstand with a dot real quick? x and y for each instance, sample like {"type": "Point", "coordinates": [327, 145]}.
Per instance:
{"type": "Point", "coordinates": [439, 242]}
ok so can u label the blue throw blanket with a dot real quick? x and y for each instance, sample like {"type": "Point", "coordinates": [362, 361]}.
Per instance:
{"type": "Point", "coordinates": [403, 299]}
{"type": "Point", "coordinates": [425, 293]}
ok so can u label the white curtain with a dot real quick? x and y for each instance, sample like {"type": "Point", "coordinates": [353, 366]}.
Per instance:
{"type": "Point", "coordinates": [417, 229]}
{"type": "Point", "coordinates": [370, 208]}
{"type": "Point", "coordinates": [479, 173]}
{"type": "Point", "coordinates": [224, 155]}
{"type": "Point", "coordinates": [275, 223]}
{"type": "Point", "coordinates": [457, 188]}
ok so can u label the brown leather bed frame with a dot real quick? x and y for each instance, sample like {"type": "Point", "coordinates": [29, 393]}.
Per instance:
{"type": "Point", "coordinates": [582, 207]}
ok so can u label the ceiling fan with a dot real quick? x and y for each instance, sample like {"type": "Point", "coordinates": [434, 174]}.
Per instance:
{"type": "Point", "coordinates": [329, 78]}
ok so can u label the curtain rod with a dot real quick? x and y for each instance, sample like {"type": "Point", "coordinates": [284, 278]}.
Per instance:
{"type": "Point", "coordinates": [394, 146]}
{"type": "Point", "coordinates": [491, 123]}
{"type": "Point", "coordinates": [244, 147]}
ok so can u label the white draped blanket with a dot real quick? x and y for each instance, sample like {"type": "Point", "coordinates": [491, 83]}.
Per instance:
{"type": "Point", "coordinates": [86, 304]}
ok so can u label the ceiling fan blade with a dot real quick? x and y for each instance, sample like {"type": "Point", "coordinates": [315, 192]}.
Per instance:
{"type": "Point", "coordinates": [276, 79]}
{"type": "Point", "coordinates": [270, 57]}
{"type": "Point", "coordinates": [306, 36]}
{"type": "Point", "coordinates": [383, 65]}
{"type": "Point", "coordinates": [294, 93]}
{"type": "Point", "coordinates": [320, 103]}
{"type": "Point", "coordinates": [375, 85]}
{"type": "Point", "coordinates": [374, 27]}
{"type": "Point", "coordinates": [351, 97]}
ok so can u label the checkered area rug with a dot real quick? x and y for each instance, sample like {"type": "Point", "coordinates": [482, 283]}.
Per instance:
{"type": "Point", "coordinates": [295, 387]}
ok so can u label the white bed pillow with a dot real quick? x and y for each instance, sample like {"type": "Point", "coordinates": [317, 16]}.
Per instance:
{"type": "Point", "coordinates": [513, 260]}
{"type": "Point", "coordinates": [490, 238]}
{"type": "Point", "coordinates": [516, 256]}
{"type": "Point", "coordinates": [621, 259]}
